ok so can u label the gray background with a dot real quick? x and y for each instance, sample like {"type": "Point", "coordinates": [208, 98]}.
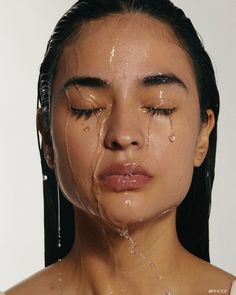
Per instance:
{"type": "Point", "coordinates": [25, 27]}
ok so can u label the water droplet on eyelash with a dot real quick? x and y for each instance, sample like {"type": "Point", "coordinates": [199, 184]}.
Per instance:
{"type": "Point", "coordinates": [87, 129]}
{"type": "Point", "coordinates": [172, 137]}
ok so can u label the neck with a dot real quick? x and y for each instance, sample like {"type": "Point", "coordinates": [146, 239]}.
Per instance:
{"type": "Point", "coordinates": [138, 259]}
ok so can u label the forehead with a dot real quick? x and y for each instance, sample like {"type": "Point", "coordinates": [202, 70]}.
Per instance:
{"type": "Point", "coordinates": [126, 25]}
{"type": "Point", "coordinates": [129, 45]}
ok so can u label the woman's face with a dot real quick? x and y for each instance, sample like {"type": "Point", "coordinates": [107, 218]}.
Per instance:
{"type": "Point", "coordinates": [125, 119]}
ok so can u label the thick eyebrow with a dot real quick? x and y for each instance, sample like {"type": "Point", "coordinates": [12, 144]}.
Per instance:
{"type": "Point", "coordinates": [151, 80]}
{"type": "Point", "coordinates": [160, 79]}
{"type": "Point", "coordinates": [86, 82]}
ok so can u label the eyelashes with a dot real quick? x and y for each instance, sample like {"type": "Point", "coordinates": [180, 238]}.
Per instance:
{"type": "Point", "coordinates": [160, 111]}
{"type": "Point", "coordinates": [87, 113]}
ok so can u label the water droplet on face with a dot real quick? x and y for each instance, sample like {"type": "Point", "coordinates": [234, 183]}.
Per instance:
{"type": "Point", "coordinates": [109, 290]}
{"type": "Point", "coordinates": [168, 210]}
{"type": "Point", "coordinates": [128, 203]}
{"type": "Point", "coordinates": [92, 97]}
{"type": "Point", "coordinates": [132, 251]}
{"type": "Point", "coordinates": [172, 137]}
{"type": "Point", "coordinates": [112, 54]}
{"type": "Point", "coordinates": [149, 134]}
{"type": "Point", "coordinates": [87, 129]}
{"type": "Point", "coordinates": [161, 95]}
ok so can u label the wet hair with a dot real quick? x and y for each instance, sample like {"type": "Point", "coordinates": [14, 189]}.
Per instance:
{"type": "Point", "coordinates": [192, 219]}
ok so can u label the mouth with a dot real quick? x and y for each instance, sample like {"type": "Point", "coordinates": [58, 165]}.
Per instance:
{"type": "Point", "coordinates": [124, 177]}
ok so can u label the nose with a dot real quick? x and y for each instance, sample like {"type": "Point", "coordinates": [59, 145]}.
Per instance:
{"type": "Point", "coordinates": [123, 131]}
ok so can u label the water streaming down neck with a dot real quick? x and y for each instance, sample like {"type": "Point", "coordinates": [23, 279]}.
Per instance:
{"type": "Point", "coordinates": [124, 233]}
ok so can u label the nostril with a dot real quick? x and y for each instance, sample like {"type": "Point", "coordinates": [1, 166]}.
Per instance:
{"type": "Point", "coordinates": [115, 145]}
{"type": "Point", "coordinates": [134, 143]}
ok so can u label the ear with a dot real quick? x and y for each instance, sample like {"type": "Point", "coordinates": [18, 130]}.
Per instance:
{"type": "Point", "coordinates": [46, 138]}
{"type": "Point", "coordinates": [203, 139]}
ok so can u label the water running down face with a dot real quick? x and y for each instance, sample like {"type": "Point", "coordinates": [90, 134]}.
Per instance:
{"type": "Point", "coordinates": [126, 125]}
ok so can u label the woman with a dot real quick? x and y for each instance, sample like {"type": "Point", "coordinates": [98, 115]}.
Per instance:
{"type": "Point", "coordinates": [128, 109]}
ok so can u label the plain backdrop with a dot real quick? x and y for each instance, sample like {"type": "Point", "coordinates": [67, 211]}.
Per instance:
{"type": "Point", "coordinates": [25, 27]}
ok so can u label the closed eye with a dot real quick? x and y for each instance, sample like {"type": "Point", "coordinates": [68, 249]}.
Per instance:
{"type": "Point", "coordinates": [160, 111]}
{"type": "Point", "coordinates": [87, 113]}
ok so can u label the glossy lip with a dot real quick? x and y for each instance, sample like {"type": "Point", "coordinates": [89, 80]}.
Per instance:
{"type": "Point", "coordinates": [124, 176]}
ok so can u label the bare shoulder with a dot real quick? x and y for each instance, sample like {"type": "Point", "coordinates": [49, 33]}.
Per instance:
{"type": "Point", "coordinates": [217, 273]}
{"type": "Point", "coordinates": [42, 282]}
{"type": "Point", "coordinates": [212, 279]}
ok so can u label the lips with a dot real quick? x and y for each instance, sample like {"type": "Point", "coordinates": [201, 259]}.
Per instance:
{"type": "Point", "coordinates": [124, 176]}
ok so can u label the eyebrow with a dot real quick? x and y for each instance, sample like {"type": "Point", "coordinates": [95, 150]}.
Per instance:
{"type": "Point", "coordinates": [160, 79]}
{"type": "Point", "coordinates": [86, 82]}
{"type": "Point", "coordinates": [147, 81]}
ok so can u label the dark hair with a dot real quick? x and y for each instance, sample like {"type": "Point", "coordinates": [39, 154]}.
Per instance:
{"type": "Point", "coordinates": [192, 218]}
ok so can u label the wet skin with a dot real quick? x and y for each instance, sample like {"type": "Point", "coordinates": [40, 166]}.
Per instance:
{"type": "Point", "coordinates": [123, 54]}
{"type": "Point", "coordinates": [123, 51]}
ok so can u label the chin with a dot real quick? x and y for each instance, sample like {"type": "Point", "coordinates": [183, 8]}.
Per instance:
{"type": "Point", "coordinates": [128, 213]}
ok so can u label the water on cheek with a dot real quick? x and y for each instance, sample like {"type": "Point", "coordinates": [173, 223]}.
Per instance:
{"type": "Point", "coordinates": [172, 137]}
{"type": "Point", "coordinates": [77, 199]}
{"type": "Point", "coordinates": [87, 129]}
{"type": "Point", "coordinates": [165, 104]}
{"type": "Point", "coordinates": [98, 159]}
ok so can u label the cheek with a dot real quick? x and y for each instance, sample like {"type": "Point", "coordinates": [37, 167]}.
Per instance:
{"type": "Point", "coordinates": [78, 149]}
{"type": "Point", "coordinates": [75, 149]}
{"type": "Point", "coordinates": [175, 160]}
